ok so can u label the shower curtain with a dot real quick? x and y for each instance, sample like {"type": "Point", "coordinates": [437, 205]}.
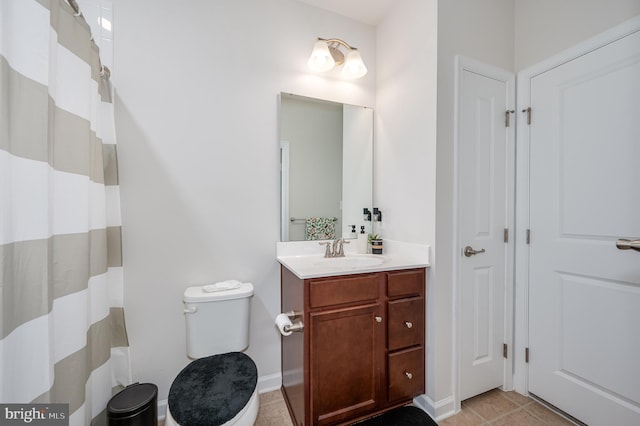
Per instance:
{"type": "Point", "coordinates": [63, 338]}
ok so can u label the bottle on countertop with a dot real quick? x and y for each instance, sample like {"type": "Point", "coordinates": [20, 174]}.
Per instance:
{"type": "Point", "coordinates": [363, 240]}
{"type": "Point", "coordinates": [353, 234]}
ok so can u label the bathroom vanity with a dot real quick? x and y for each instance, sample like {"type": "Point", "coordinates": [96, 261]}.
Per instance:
{"type": "Point", "coordinates": [362, 349]}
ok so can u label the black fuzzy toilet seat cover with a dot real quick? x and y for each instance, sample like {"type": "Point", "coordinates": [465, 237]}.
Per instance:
{"type": "Point", "coordinates": [212, 390]}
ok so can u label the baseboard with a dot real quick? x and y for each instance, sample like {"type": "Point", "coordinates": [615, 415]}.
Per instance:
{"type": "Point", "coordinates": [269, 382]}
{"type": "Point", "coordinates": [266, 383]}
{"type": "Point", "coordinates": [162, 409]}
{"type": "Point", "coordinates": [437, 410]}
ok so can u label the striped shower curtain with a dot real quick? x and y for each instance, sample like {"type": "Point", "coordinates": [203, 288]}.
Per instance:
{"type": "Point", "coordinates": [62, 323]}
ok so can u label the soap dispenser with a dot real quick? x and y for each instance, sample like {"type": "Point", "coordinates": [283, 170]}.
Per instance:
{"type": "Point", "coordinates": [354, 234]}
{"type": "Point", "coordinates": [362, 241]}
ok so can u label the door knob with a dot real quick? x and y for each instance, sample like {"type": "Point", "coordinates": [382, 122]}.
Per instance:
{"type": "Point", "coordinates": [469, 251]}
{"type": "Point", "coordinates": [623, 244]}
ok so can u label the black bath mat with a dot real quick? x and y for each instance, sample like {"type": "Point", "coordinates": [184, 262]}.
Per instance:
{"type": "Point", "coordinates": [403, 416]}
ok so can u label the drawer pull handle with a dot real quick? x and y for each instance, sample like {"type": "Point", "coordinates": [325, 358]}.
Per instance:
{"type": "Point", "coordinates": [378, 319]}
{"type": "Point", "coordinates": [409, 324]}
{"type": "Point", "coordinates": [409, 375]}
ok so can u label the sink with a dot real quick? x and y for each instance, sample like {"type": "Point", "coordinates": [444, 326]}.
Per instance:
{"type": "Point", "coordinates": [320, 266]}
{"type": "Point", "coordinates": [350, 261]}
{"type": "Point", "coordinates": [305, 260]}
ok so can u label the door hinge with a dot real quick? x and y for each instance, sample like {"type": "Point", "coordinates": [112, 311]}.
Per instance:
{"type": "Point", "coordinates": [506, 235]}
{"type": "Point", "coordinates": [507, 117]}
{"type": "Point", "coordinates": [504, 350]}
{"type": "Point", "coordinates": [526, 355]}
{"type": "Point", "coordinates": [528, 111]}
{"type": "Point", "coordinates": [528, 236]}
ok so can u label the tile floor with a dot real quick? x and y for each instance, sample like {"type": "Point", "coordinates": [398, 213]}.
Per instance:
{"type": "Point", "coordinates": [273, 410]}
{"type": "Point", "coordinates": [498, 408]}
{"type": "Point", "coordinates": [495, 408]}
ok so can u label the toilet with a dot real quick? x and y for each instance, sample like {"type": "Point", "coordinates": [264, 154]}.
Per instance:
{"type": "Point", "coordinates": [220, 386]}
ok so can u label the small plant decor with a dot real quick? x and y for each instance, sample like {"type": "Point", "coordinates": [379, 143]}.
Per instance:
{"type": "Point", "coordinates": [375, 241]}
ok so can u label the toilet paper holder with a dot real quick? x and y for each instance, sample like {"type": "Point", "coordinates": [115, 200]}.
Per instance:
{"type": "Point", "coordinates": [298, 326]}
{"type": "Point", "coordinates": [293, 314]}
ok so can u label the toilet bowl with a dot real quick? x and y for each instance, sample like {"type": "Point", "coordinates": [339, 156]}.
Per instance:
{"type": "Point", "coordinates": [246, 417]}
{"type": "Point", "coordinates": [220, 386]}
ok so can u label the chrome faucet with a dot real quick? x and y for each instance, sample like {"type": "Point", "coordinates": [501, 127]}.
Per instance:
{"type": "Point", "coordinates": [340, 251]}
{"type": "Point", "coordinates": [335, 248]}
{"type": "Point", "coordinates": [327, 251]}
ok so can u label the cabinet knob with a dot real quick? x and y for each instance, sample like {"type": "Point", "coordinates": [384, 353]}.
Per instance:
{"type": "Point", "coordinates": [409, 375]}
{"type": "Point", "coordinates": [378, 319]}
{"type": "Point", "coordinates": [409, 324]}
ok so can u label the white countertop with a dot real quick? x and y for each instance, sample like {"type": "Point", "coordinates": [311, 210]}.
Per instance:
{"type": "Point", "coordinates": [306, 259]}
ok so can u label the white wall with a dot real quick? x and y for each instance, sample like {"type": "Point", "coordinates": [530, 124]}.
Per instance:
{"type": "Point", "coordinates": [405, 147]}
{"type": "Point", "coordinates": [197, 88]}
{"type": "Point", "coordinates": [404, 178]}
{"type": "Point", "coordinates": [483, 31]}
{"type": "Point", "coordinates": [546, 27]}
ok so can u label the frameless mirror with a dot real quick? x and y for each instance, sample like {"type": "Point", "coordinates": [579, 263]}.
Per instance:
{"type": "Point", "coordinates": [326, 167]}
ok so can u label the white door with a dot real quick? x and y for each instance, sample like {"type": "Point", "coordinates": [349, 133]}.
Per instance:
{"type": "Point", "coordinates": [584, 293]}
{"type": "Point", "coordinates": [483, 157]}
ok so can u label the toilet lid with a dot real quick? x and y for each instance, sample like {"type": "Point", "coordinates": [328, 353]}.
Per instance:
{"type": "Point", "coordinates": [212, 390]}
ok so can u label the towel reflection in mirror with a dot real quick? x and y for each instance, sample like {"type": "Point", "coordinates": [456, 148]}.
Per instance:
{"type": "Point", "coordinates": [319, 228]}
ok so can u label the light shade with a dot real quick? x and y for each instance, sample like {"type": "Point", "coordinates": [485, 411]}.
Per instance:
{"type": "Point", "coordinates": [326, 54]}
{"type": "Point", "coordinates": [321, 59]}
{"type": "Point", "coordinates": [353, 65]}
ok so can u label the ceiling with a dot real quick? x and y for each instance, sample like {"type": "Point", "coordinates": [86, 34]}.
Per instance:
{"type": "Point", "coordinates": [368, 11]}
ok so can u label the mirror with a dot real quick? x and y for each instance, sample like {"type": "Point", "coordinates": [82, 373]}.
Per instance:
{"type": "Point", "coordinates": [326, 168]}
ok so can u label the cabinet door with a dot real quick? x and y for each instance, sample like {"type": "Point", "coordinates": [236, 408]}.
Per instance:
{"type": "Point", "coordinates": [347, 362]}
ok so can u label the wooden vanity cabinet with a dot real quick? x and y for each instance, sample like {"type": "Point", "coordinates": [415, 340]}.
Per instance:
{"type": "Point", "coordinates": [362, 348]}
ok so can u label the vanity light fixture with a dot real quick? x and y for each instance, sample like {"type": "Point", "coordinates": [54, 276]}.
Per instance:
{"type": "Point", "coordinates": [366, 214]}
{"type": "Point", "coordinates": [326, 55]}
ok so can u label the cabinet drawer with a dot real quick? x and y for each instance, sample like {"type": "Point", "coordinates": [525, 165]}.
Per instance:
{"type": "Point", "coordinates": [405, 283]}
{"type": "Point", "coordinates": [406, 374]}
{"type": "Point", "coordinates": [406, 323]}
{"type": "Point", "coordinates": [341, 290]}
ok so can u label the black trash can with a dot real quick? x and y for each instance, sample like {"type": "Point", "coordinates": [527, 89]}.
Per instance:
{"type": "Point", "coordinates": [135, 405]}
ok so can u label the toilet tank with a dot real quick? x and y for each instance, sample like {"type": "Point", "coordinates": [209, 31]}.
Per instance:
{"type": "Point", "coordinates": [217, 322]}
